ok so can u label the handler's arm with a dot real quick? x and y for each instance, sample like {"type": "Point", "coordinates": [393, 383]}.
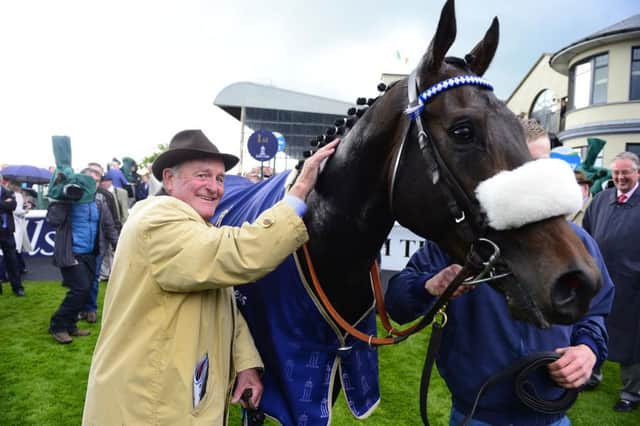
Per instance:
{"type": "Point", "coordinates": [589, 337]}
{"type": "Point", "coordinates": [407, 296]}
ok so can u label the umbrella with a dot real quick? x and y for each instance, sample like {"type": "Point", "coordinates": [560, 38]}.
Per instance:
{"type": "Point", "coordinates": [25, 173]}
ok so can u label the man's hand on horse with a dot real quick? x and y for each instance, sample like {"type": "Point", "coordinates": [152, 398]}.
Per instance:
{"type": "Point", "coordinates": [310, 169]}
{"type": "Point", "coordinates": [437, 284]}
{"type": "Point", "coordinates": [248, 379]}
{"type": "Point", "coordinates": [574, 366]}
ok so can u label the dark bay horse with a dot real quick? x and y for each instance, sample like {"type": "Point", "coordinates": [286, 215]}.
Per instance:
{"type": "Point", "coordinates": [424, 175]}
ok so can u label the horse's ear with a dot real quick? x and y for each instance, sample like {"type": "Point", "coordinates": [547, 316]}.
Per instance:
{"type": "Point", "coordinates": [442, 41]}
{"type": "Point", "coordinates": [481, 55]}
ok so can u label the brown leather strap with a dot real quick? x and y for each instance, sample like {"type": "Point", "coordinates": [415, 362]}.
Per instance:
{"type": "Point", "coordinates": [382, 310]}
{"type": "Point", "coordinates": [395, 336]}
{"type": "Point", "coordinates": [335, 316]}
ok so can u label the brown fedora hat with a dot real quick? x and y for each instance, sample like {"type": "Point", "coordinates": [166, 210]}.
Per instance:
{"type": "Point", "coordinates": [190, 145]}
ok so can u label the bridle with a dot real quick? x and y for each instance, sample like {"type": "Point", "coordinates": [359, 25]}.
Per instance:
{"type": "Point", "coordinates": [462, 207]}
{"type": "Point", "coordinates": [476, 269]}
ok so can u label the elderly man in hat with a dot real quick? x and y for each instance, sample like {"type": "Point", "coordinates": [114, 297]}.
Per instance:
{"type": "Point", "coordinates": [173, 347]}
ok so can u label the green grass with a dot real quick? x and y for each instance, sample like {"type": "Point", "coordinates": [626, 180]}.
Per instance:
{"type": "Point", "coordinates": [44, 383]}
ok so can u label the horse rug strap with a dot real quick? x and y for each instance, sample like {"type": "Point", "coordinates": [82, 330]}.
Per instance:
{"type": "Point", "coordinates": [520, 369]}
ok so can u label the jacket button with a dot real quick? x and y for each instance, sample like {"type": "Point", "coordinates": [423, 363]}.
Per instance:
{"type": "Point", "coordinates": [267, 222]}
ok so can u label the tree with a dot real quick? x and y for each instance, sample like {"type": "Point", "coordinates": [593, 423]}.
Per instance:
{"type": "Point", "coordinates": [148, 160]}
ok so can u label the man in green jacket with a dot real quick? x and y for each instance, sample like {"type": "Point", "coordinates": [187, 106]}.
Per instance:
{"type": "Point", "coordinates": [173, 348]}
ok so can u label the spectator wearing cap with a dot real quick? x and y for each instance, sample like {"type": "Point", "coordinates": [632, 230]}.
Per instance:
{"type": "Point", "coordinates": [120, 195]}
{"type": "Point", "coordinates": [115, 174]}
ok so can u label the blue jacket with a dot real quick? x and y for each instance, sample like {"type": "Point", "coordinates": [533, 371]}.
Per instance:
{"type": "Point", "coordinates": [81, 228]}
{"type": "Point", "coordinates": [117, 178]}
{"type": "Point", "coordinates": [481, 338]}
{"type": "Point", "coordinates": [84, 227]}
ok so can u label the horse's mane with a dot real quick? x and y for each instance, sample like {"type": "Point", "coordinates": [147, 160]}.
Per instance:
{"type": "Point", "coordinates": [344, 124]}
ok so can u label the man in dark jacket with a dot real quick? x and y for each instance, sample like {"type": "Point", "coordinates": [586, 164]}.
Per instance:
{"type": "Point", "coordinates": [613, 219]}
{"type": "Point", "coordinates": [481, 338]}
{"type": "Point", "coordinates": [79, 228]}
{"type": "Point", "coordinates": [7, 241]}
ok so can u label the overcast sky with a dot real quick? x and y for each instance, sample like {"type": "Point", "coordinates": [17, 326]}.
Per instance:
{"type": "Point", "coordinates": [121, 76]}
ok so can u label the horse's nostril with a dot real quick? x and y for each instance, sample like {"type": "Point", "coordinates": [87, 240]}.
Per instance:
{"type": "Point", "coordinates": [565, 290]}
{"type": "Point", "coordinates": [570, 296]}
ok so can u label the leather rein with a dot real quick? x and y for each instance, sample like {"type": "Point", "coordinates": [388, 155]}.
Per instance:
{"type": "Point", "coordinates": [475, 266]}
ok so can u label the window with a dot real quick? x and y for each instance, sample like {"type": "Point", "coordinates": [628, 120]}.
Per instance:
{"type": "Point", "coordinates": [634, 91]}
{"type": "Point", "coordinates": [588, 81]}
{"type": "Point", "coordinates": [546, 111]}
{"type": "Point", "coordinates": [633, 147]}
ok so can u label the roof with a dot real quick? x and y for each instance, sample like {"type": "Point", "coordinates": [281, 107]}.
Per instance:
{"type": "Point", "coordinates": [625, 29]}
{"type": "Point", "coordinates": [246, 94]}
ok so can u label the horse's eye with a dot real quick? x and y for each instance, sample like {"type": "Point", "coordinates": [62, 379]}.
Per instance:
{"type": "Point", "coordinates": [464, 133]}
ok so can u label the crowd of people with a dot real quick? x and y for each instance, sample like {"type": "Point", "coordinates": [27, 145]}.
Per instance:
{"type": "Point", "coordinates": [179, 321]}
{"type": "Point", "coordinates": [128, 190]}
{"type": "Point", "coordinates": [87, 234]}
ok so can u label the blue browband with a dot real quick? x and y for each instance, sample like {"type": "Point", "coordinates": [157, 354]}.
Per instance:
{"type": "Point", "coordinates": [414, 111]}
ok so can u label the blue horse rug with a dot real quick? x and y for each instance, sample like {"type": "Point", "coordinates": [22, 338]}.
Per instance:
{"type": "Point", "coordinates": [296, 338]}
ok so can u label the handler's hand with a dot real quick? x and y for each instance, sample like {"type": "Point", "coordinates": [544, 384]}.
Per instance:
{"type": "Point", "coordinates": [309, 173]}
{"type": "Point", "coordinates": [574, 366]}
{"type": "Point", "coordinates": [248, 379]}
{"type": "Point", "coordinates": [437, 284]}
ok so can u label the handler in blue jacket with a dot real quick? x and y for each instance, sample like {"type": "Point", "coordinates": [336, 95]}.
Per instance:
{"type": "Point", "coordinates": [481, 339]}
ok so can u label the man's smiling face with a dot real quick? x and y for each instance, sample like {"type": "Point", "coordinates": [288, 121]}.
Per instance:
{"type": "Point", "coordinates": [199, 183]}
{"type": "Point", "coordinates": [625, 174]}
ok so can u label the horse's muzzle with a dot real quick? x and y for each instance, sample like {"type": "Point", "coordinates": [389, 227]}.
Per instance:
{"type": "Point", "coordinates": [570, 296]}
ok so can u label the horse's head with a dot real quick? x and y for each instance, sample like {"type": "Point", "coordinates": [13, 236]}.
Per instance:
{"type": "Point", "coordinates": [470, 136]}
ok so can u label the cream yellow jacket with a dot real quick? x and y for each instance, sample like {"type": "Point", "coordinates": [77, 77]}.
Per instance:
{"type": "Point", "coordinates": [169, 302]}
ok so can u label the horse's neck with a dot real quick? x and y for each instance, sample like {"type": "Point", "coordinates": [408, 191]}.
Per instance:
{"type": "Point", "coordinates": [349, 217]}
{"type": "Point", "coordinates": [349, 208]}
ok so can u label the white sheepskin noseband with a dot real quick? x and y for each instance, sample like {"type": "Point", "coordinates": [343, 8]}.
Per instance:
{"type": "Point", "coordinates": [537, 190]}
